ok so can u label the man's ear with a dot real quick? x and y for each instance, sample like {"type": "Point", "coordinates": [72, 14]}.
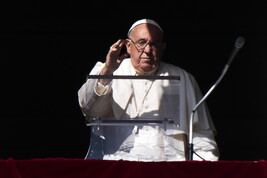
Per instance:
{"type": "Point", "coordinates": [128, 45]}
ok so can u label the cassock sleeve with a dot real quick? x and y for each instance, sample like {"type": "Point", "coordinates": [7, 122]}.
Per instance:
{"type": "Point", "coordinates": [95, 99]}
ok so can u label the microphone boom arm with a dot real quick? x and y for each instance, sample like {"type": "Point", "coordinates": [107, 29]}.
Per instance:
{"type": "Point", "coordinates": [238, 45]}
{"type": "Point", "coordinates": [190, 146]}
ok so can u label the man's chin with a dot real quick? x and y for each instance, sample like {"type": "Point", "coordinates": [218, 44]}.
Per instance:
{"type": "Point", "coordinates": [147, 70]}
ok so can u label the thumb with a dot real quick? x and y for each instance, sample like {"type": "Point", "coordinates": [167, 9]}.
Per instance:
{"type": "Point", "coordinates": [124, 56]}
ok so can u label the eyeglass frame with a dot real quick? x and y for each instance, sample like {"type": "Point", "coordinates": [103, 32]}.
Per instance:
{"type": "Point", "coordinates": [153, 45]}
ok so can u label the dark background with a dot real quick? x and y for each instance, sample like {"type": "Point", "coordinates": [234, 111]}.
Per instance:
{"type": "Point", "coordinates": [48, 47]}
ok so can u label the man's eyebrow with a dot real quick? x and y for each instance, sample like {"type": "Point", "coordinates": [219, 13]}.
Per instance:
{"type": "Point", "coordinates": [142, 39]}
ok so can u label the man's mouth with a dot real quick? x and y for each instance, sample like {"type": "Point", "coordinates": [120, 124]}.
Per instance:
{"type": "Point", "coordinates": [146, 59]}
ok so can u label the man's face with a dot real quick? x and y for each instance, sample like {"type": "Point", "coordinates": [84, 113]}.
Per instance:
{"type": "Point", "coordinates": [145, 47]}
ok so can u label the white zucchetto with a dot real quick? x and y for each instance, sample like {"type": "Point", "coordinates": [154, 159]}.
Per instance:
{"type": "Point", "coordinates": [143, 21]}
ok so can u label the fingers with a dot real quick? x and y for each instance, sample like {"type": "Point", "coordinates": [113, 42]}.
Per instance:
{"type": "Point", "coordinates": [118, 45]}
{"type": "Point", "coordinates": [114, 58]}
{"type": "Point", "coordinates": [115, 50]}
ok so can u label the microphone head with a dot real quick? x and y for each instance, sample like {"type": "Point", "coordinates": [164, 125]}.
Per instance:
{"type": "Point", "coordinates": [240, 41]}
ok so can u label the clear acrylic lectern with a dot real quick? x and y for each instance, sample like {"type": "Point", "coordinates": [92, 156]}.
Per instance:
{"type": "Point", "coordinates": [108, 135]}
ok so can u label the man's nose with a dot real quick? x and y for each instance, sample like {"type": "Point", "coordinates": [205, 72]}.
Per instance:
{"type": "Point", "coordinates": [147, 48]}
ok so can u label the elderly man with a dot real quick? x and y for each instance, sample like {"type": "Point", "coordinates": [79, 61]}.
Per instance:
{"type": "Point", "coordinates": [154, 99]}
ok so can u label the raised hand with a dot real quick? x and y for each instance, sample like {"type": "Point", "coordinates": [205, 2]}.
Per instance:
{"type": "Point", "coordinates": [113, 59]}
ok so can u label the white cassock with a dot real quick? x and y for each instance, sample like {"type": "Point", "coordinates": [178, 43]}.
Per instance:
{"type": "Point", "coordinates": [154, 99]}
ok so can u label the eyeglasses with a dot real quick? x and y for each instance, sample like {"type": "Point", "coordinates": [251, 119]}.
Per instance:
{"type": "Point", "coordinates": [142, 43]}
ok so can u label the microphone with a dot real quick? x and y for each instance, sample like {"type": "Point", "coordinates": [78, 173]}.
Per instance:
{"type": "Point", "coordinates": [239, 43]}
